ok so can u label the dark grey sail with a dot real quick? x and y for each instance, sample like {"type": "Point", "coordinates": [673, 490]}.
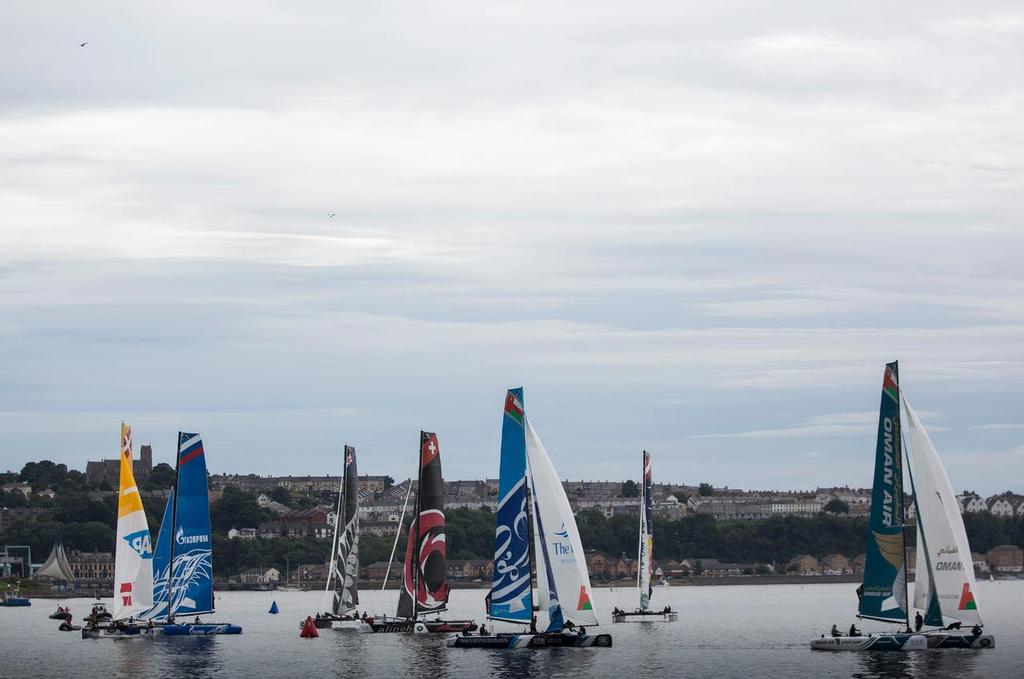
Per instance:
{"type": "Point", "coordinates": [346, 561]}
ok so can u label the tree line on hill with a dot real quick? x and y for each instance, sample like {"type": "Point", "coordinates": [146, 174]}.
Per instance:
{"type": "Point", "coordinates": [86, 521]}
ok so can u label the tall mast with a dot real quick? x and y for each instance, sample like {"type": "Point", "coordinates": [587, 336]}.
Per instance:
{"type": "Point", "coordinates": [643, 504]}
{"type": "Point", "coordinates": [174, 522]}
{"type": "Point", "coordinates": [337, 532]}
{"type": "Point", "coordinates": [416, 520]}
{"type": "Point", "coordinates": [902, 496]}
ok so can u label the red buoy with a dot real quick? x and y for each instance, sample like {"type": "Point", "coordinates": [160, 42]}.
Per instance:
{"type": "Point", "coordinates": [309, 629]}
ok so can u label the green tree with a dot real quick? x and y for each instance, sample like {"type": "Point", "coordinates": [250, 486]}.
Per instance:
{"type": "Point", "coordinates": [705, 489]}
{"type": "Point", "coordinates": [44, 474]}
{"type": "Point", "coordinates": [237, 509]}
{"type": "Point", "coordinates": [281, 494]}
{"type": "Point", "coordinates": [629, 489]}
{"type": "Point", "coordinates": [836, 506]}
{"type": "Point", "coordinates": [160, 477]}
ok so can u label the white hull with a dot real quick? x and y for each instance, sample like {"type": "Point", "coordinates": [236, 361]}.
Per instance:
{"type": "Point", "coordinates": [671, 616]}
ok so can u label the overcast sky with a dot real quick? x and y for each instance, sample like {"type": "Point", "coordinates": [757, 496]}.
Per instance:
{"type": "Point", "coordinates": [700, 230]}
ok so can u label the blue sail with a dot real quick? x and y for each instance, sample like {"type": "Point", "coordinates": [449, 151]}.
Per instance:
{"type": "Point", "coordinates": [185, 533]}
{"type": "Point", "coordinates": [162, 557]}
{"type": "Point", "coordinates": [883, 594]}
{"type": "Point", "coordinates": [511, 597]}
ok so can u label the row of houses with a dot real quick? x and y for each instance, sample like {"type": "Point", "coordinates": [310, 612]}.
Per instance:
{"type": "Point", "coordinates": [1001, 559]}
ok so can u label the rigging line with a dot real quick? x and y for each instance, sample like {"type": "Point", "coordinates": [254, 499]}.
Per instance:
{"type": "Point", "coordinates": [397, 536]}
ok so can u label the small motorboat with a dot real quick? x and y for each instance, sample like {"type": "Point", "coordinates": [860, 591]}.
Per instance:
{"type": "Point", "coordinates": [60, 614]}
{"type": "Point", "coordinates": [99, 613]}
{"type": "Point", "coordinates": [644, 615]}
{"type": "Point", "coordinates": [13, 599]}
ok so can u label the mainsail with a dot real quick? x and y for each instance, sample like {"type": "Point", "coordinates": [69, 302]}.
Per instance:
{"type": "Point", "coordinates": [562, 570]}
{"type": "Point", "coordinates": [345, 564]}
{"type": "Point", "coordinates": [645, 562]}
{"type": "Point", "coordinates": [425, 588]}
{"type": "Point", "coordinates": [943, 537]}
{"type": "Point", "coordinates": [883, 594]}
{"type": "Point", "coordinates": [510, 597]}
{"type": "Point", "coordinates": [56, 565]}
{"type": "Point", "coordinates": [133, 572]}
{"type": "Point", "coordinates": [184, 539]}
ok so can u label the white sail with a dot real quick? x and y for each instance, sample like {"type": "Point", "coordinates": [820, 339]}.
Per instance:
{"type": "Point", "coordinates": [133, 555]}
{"type": "Point", "coordinates": [56, 565]}
{"type": "Point", "coordinates": [942, 528]}
{"type": "Point", "coordinates": [645, 556]}
{"type": "Point", "coordinates": [560, 548]}
{"type": "Point", "coordinates": [922, 580]}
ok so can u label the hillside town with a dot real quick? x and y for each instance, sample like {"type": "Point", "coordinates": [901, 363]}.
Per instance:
{"type": "Point", "coordinates": [304, 508]}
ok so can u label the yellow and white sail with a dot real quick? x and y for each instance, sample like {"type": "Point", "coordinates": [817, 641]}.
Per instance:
{"type": "Point", "coordinates": [133, 556]}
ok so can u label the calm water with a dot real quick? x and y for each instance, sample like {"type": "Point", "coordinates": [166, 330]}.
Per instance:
{"type": "Point", "coordinates": [735, 631]}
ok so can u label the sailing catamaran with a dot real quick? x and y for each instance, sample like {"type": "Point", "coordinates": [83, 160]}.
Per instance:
{"type": "Point", "coordinates": [645, 559]}
{"type": "Point", "coordinates": [183, 563]}
{"type": "Point", "coordinates": [944, 590]}
{"type": "Point", "coordinates": [561, 569]}
{"type": "Point", "coordinates": [344, 569]}
{"type": "Point", "coordinates": [425, 586]}
{"type": "Point", "coordinates": [133, 555]}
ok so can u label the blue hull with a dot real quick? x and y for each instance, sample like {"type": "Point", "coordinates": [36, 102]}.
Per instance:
{"type": "Point", "coordinates": [201, 629]}
{"type": "Point", "coordinates": [16, 601]}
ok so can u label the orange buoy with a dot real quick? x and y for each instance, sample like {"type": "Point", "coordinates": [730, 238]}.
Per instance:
{"type": "Point", "coordinates": [309, 629]}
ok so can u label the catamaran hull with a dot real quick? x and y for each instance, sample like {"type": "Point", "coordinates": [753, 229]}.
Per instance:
{"type": "Point", "coordinates": [903, 642]}
{"type": "Point", "coordinates": [517, 641]}
{"type": "Point", "coordinates": [646, 616]}
{"type": "Point", "coordinates": [352, 624]}
{"type": "Point", "coordinates": [118, 633]}
{"type": "Point", "coordinates": [200, 629]}
{"type": "Point", "coordinates": [16, 602]}
{"type": "Point", "coordinates": [876, 642]}
{"type": "Point", "coordinates": [423, 626]}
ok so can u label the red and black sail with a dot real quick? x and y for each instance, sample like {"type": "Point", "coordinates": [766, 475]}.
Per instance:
{"type": "Point", "coordinates": [425, 588]}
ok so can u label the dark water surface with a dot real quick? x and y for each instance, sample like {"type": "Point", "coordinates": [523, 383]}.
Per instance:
{"type": "Point", "coordinates": [726, 631]}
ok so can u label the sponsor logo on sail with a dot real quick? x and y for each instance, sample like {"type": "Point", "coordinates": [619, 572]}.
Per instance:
{"type": "Point", "coordinates": [562, 546]}
{"type": "Point", "coordinates": [139, 541]}
{"type": "Point", "coordinates": [887, 472]}
{"type": "Point", "coordinates": [183, 539]}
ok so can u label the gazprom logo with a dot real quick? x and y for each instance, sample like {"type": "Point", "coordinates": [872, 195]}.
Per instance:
{"type": "Point", "coordinates": [139, 541]}
{"type": "Point", "coordinates": [183, 539]}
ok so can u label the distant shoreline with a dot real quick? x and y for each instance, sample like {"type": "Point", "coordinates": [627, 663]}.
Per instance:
{"type": "Point", "coordinates": [729, 580]}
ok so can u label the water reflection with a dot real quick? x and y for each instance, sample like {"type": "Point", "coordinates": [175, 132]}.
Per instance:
{"type": "Point", "coordinates": [913, 665]}
{"type": "Point", "coordinates": [192, 657]}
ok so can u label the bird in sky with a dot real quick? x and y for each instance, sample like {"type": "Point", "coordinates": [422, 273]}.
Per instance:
{"type": "Point", "coordinates": [331, 214]}
{"type": "Point", "coordinates": [84, 44]}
